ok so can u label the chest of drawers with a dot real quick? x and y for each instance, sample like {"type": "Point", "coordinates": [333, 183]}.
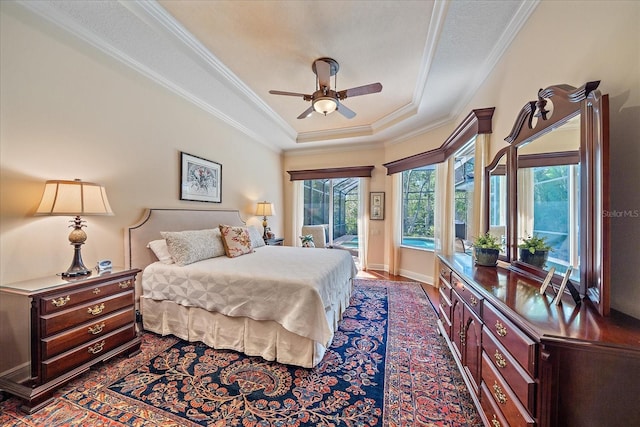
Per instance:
{"type": "Point", "coordinates": [529, 362]}
{"type": "Point", "coordinates": [59, 329]}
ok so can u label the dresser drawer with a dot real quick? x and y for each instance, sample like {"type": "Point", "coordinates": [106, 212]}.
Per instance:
{"type": "Point", "coordinates": [445, 309]}
{"type": "Point", "coordinates": [469, 296]}
{"type": "Point", "coordinates": [490, 408]}
{"type": "Point", "coordinates": [445, 272]}
{"type": "Point", "coordinates": [85, 333]}
{"type": "Point", "coordinates": [64, 300]}
{"type": "Point", "coordinates": [520, 382]}
{"type": "Point", "coordinates": [64, 362]}
{"type": "Point", "coordinates": [521, 347]}
{"type": "Point", "coordinates": [503, 397]}
{"type": "Point", "coordinates": [54, 323]}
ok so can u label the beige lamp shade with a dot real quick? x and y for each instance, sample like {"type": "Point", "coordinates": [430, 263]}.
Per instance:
{"type": "Point", "coordinates": [73, 198]}
{"type": "Point", "coordinates": [265, 209]}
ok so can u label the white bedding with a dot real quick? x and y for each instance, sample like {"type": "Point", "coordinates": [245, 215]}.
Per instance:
{"type": "Point", "coordinates": [294, 287]}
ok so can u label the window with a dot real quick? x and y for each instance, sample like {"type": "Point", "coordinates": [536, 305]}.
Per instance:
{"type": "Point", "coordinates": [464, 160]}
{"type": "Point", "coordinates": [555, 202]}
{"type": "Point", "coordinates": [334, 203]}
{"type": "Point", "coordinates": [418, 201]}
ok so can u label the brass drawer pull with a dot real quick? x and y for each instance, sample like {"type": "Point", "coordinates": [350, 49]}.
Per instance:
{"type": "Point", "coordinates": [501, 329]}
{"type": "Point", "coordinates": [500, 360]}
{"type": "Point", "coordinates": [495, 422]}
{"type": "Point", "coordinates": [125, 284]}
{"type": "Point", "coordinates": [95, 330]}
{"type": "Point", "coordinates": [61, 301]}
{"type": "Point", "coordinates": [96, 348]}
{"type": "Point", "coordinates": [96, 310]}
{"type": "Point", "coordinates": [474, 301]}
{"type": "Point", "coordinates": [499, 394]}
{"type": "Point", "coordinates": [96, 291]}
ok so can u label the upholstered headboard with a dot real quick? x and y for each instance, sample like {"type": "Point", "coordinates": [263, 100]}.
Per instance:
{"type": "Point", "coordinates": [153, 221]}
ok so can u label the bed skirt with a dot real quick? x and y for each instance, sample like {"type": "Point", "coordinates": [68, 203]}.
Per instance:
{"type": "Point", "coordinates": [264, 338]}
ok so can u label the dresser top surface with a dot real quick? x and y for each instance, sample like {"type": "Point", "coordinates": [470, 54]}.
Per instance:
{"type": "Point", "coordinates": [48, 283]}
{"type": "Point", "coordinates": [518, 297]}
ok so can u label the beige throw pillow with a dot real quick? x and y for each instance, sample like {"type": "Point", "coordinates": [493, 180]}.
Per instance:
{"type": "Point", "coordinates": [187, 247]}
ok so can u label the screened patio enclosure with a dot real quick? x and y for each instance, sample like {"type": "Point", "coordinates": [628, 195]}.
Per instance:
{"type": "Point", "coordinates": [333, 203]}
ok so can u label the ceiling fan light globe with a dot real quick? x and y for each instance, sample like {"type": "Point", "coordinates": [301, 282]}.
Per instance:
{"type": "Point", "coordinates": [325, 105]}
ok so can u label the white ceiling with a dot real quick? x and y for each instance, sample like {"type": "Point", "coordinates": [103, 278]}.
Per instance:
{"type": "Point", "coordinates": [225, 56]}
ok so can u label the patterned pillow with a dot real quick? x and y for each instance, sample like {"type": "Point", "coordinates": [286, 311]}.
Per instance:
{"type": "Point", "coordinates": [161, 251]}
{"type": "Point", "coordinates": [236, 240]}
{"type": "Point", "coordinates": [187, 247]}
{"type": "Point", "coordinates": [256, 237]}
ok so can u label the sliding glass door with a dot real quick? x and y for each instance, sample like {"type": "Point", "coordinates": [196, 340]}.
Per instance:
{"type": "Point", "coordinates": [334, 203]}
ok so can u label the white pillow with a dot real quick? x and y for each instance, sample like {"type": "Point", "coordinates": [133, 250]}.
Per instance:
{"type": "Point", "coordinates": [187, 247]}
{"type": "Point", "coordinates": [256, 237]}
{"type": "Point", "coordinates": [161, 251]}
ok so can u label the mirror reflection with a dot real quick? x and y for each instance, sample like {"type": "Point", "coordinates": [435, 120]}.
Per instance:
{"type": "Point", "coordinates": [549, 197]}
{"type": "Point", "coordinates": [497, 203]}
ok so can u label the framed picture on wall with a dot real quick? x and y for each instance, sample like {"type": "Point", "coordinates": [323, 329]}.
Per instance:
{"type": "Point", "coordinates": [200, 179]}
{"type": "Point", "coordinates": [376, 204]}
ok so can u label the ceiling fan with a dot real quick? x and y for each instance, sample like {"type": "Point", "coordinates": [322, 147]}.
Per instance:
{"type": "Point", "coordinates": [325, 100]}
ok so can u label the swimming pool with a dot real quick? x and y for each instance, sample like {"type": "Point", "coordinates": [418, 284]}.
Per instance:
{"type": "Point", "coordinates": [414, 242]}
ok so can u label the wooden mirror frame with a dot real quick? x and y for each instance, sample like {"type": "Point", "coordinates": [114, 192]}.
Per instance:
{"type": "Point", "coordinates": [593, 108]}
{"type": "Point", "coordinates": [504, 152]}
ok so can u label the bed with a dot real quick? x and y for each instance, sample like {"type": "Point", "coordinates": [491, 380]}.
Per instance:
{"type": "Point", "coordinates": [277, 302]}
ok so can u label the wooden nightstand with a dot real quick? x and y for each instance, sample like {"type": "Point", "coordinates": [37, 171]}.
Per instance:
{"type": "Point", "coordinates": [276, 241]}
{"type": "Point", "coordinates": [58, 329]}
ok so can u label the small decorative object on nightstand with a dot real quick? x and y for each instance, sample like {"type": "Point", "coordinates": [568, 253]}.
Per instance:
{"type": "Point", "coordinates": [276, 241]}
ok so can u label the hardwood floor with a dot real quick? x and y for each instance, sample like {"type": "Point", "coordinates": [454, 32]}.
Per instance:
{"type": "Point", "coordinates": [431, 291]}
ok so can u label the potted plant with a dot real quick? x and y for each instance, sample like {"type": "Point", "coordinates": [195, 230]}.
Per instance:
{"type": "Point", "coordinates": [534, 250]}
{"type": "Point", "coordinates": [487, 248]}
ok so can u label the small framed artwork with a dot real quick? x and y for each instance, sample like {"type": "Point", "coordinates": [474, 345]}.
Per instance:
{"type": "Point", "coordinates": [200, 179]}
{"type": "Point", "coordinates": [376, 204]}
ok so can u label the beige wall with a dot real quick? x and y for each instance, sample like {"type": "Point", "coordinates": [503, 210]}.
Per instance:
{"type": "Point", "coordinates": [69, 112]}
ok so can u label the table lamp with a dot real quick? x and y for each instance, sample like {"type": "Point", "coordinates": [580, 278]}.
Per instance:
{"type": "Point", "coordinates": [74, 198]}
{"type": "Point", "coordinates": [265, 209]}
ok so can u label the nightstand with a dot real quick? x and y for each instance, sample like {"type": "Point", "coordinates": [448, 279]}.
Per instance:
{"type": "Point", "coordinates": [57, 329]}
{"type": "Point", "coordinates": [276, 241]}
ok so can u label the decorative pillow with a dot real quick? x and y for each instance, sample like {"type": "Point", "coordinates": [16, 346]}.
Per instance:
{"type": "Point", "coordinates": [236, 240]}
{"type": "Point", "coordinates": [255, 236]}
{"type": "Point", "coordinates": [187, 247]}
{"type": "Point", "coordinates": [161, 251]}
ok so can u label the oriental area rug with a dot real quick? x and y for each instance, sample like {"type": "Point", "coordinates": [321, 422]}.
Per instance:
{"type": "Point", "coordinates": [387, 366]}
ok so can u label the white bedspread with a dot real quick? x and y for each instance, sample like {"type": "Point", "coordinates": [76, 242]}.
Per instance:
{"type": "Point", "coordinates": [292, 286]}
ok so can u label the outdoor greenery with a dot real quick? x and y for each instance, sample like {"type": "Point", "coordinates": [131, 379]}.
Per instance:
{"type": "Point", "coordinates": [535, 243]}
{"type": "Point", "coordinates": [418, 201]}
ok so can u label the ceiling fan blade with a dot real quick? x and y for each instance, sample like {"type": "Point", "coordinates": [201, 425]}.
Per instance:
{"type": "Point", "coordinates": [323, 70]}
{"type": "Point", "coordinates": [306, 113]}
{"type": "Point", "coordinates": [360, 90]}
{"type": "Point", "coordinates": [347, 112]}
{"type": "Point", "coordinates": [279, 92]}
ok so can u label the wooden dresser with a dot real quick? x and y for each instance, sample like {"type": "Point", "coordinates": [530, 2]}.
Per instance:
{"type": "Point", "coordinates": [529, 362]}
{"type": "Point", "coordinates": [59, 329]}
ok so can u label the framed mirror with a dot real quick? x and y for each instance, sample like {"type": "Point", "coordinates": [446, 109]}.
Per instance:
{"type": "Point", "coordinates": [496, 215]}
{"type": "Point", "coordinates": [560, 190]}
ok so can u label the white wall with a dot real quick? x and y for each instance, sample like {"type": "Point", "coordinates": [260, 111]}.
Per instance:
{"type": "Point", "coordinates": [68, 112]}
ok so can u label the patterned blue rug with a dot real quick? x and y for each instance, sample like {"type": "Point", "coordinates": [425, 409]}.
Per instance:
{"type": "Point", "coordinates": [214, 387]}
